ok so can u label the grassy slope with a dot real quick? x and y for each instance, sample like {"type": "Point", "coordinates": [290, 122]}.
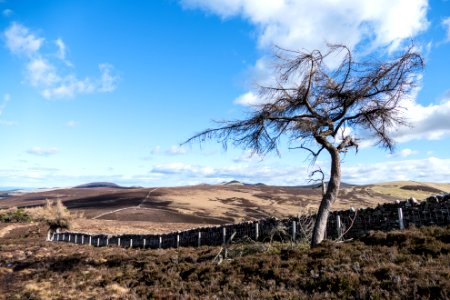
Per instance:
{"type": "Point", "coordinates": [409, 264]}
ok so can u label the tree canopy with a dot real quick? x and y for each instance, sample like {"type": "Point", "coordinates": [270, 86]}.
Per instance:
{"type": "Point", "coordinates": [314, 105]}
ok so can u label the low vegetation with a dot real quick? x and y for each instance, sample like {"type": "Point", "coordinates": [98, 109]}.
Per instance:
{"type": "Point", "coordinates": [14, 215]}
{"type": "Point", "coordinates": [53, 213]}
{"type": "Point", "coordinates": [410, 264]}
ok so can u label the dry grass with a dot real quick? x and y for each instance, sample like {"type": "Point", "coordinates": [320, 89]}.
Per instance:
{"type": "Point", "coordinates": [54, 213]}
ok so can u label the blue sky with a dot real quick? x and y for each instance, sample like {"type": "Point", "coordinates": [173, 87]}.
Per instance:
{"type": "Point", "coordinates": [107, 90]}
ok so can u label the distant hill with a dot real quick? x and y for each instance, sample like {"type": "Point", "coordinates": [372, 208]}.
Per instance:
{"type": "Point", "coordinates": [103, 185]}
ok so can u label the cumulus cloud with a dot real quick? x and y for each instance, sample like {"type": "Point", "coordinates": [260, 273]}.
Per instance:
{"type": "Point", "coordinates": [46, 75]}
{"type": "Point", "coordinates": [307, 24]}
{"type": "Point", "coordinates": [20, 41]}
{"type": "Point", "coordinates": [431, 122]}
{"type": "Point", "coordinates": [431, 169]}
{"type": "Point", "coordinates": [41, 151]}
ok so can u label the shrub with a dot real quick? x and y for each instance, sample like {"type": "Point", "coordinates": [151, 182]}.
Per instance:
{"type": "Point", "coordinates": [13, 215]}
{"type": "Point", "coordinates": [55, 214]}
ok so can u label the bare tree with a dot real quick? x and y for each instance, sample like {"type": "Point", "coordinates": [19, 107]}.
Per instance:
{"type": "Point", "coordinates": [314, 106]}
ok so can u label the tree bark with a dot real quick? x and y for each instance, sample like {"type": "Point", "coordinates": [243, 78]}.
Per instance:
{"type": "Point", "coordinates": [328, 199]}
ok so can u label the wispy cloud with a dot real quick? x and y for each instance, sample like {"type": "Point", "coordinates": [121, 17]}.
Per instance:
{"type": "Point", "coordinates": [5, 100]}
{"type": "Point", "coordinates": [3, 104]}
{"type": "Point", "coordinates": [50, 78]}
{"type": "Point", "coordinates": [7, 12]}
{"type": "Point", "coordinates": [72, 124]}
{"type": "Point", "coordinates": [172, 151]}
{"type": "Point", "coordinates": [42, 151]}
{"type": "Point", "coordinates": [404, 153]}
{"type": "Point", "coordinates": [446, 24]}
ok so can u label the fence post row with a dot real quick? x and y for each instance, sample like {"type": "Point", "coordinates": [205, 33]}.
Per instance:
{"type": "Point", "coordinates": [421, 215]}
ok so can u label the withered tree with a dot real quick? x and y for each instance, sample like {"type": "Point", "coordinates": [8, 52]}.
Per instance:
{"type": "Point", "coordinates": [314, 105]}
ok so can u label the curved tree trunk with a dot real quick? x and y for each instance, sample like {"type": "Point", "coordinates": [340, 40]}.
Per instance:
{"type": "Point", "coordinates": [328, 199]}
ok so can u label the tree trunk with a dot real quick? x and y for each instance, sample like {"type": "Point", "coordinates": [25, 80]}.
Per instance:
{"type": "Point", "coordinates": [328, 199]}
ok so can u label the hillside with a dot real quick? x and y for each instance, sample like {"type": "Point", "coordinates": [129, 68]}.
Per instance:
{"type": "Point", "coordinates": [147, 209]}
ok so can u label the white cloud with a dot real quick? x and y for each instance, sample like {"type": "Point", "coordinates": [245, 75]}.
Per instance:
{"type": "Point", "coordinates": [248, 99]}
{"type": "Point", "coordinates": [307, 24]}
{"type": "Point", "coordinates": [176, 150]}
{"type": "Point", "coordinates": [108, 80]}
{"type": "Point", "coordinates": [446, 25]}
{"type": "Point", "coordinates": [431, 169]}
{"type": "Point", "coordinates": [19, 40]}
{"type": "Point", "coordinates": [430, 122]}
{"type": "Point", "coordinates": [172, 151]}
{"type": "Point", "coordinates": [61, 49]}
{"type": "Point", "coordinates": [42, 72]}
{"type": "Point", "coordinates": [41, 151]}
{"type": "Point", "coordinates": [404, 153]}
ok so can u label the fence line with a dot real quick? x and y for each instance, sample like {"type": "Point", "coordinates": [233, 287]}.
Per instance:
{"type": "Point", "coordinates": [435, 210]}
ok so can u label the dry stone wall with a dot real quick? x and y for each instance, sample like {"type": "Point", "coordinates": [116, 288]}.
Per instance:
{"type": "Point", "coordinates": [435, 210]}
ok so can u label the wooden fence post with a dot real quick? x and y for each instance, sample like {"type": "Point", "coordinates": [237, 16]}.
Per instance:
{"type": "Point", "coordinates": [178, 240]}
{"type": "Point", "coordinates": [143, 246]}
{"type": "Point", "coordinates": [400, 219]}
{"type": "Point", "coordinates": [82, 239]}
{"type": "Point", "coordinates": [256, 231]}
{"type": "Point", "coordinates": [199, 238]}
{"type": "Point", "coordinates": [131, 243]}
{"type": "Point", "coordinates": [160, 242]}
{"type": "Point", "coordinates": [118, 241]}
{"type": "Point", "coordinates": [338, 226]}
{"type": "Point", "coordinates": [224, 234]}
{"type": "Point", "coordinates": [90, 240]}
{"type": "Point", "coordinates": [294, 230]}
